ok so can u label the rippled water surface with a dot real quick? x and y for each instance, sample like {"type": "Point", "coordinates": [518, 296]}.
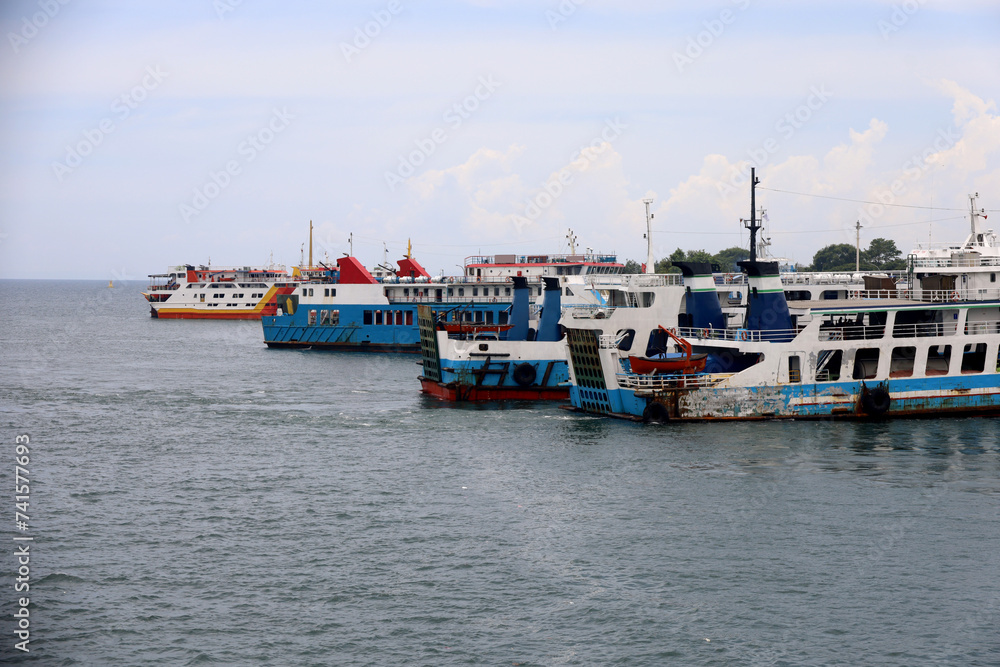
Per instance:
{"type": "Point", "coordinates": [198, 499]}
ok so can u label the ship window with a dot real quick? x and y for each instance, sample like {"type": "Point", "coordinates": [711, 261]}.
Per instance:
{"type": "Point", "coordinates": [901, 362]}
{"type": "Point", "coordinates": [506, 291]}
{"type": "Point", "coordinates": [866, 363]}
{"type": "Point", "coordinates": [993, 277]}
{"type": "Point", "coordinates": [503, 318]}
{"type": "Point", "coordinates": [367, 317]}
{"type": "Point", "coordinates": [828, 363]}
{"type": "Point", "coordinates": [324, 318]}
{"type": "Point", "coordinates": [461, 291]}
{"type": "Point", "coordinates": [625, 343]}
{"type": "Point", "coordinates": [312, 317]}
{"type": "Point", "coordinates": [409, 318]}
{"type": "Point", "coordinates": [479, 317]}
{"type": "Point", "coordinates": [974, 358]}
{"type": "Point", "coordinates": [827, 295]}
{"type": "Point", "coordinates": [399, 317]}
{"type": "Point", "coordinates": [378, 317]}
{"type": "Point", "coordinates": [794, 369]}
{"type": "Point", "coordinates": [657, 342]}
{"type": "Point", "coordinates": [475, 291]}
{"type": "Point", "coordinates": [938, 360]}
{"type": "Point", "coordinates": [920, 324]}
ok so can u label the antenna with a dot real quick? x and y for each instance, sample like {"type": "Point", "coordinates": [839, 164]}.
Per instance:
{"type": "Point", "coordinates": [310, 244]}
{"type": "Point", "coordinates": [350, 244]}
{"type": "Point", "coordinates": [571, 237]}
{"type": "Point", "coordinates": [649, 236]}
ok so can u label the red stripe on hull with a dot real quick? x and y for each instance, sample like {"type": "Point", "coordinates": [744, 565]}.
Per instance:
{"type": "Point", "coordinates": [162, 315]}
{"type": "Point", "coordinates": [455, 392]}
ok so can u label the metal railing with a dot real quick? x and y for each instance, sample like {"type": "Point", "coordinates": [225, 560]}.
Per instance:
{"type": "Point", "coordinates": [738, 335]}
{"type": "Point", "coordinates": [678, 381]}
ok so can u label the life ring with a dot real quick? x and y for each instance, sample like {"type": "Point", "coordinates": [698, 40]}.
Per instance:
{"type": "Point", "coordinates": [875, 402]}
{"type": "Point", "coordinates": [704, 333]}
{"type": "Point", "coordinates": [742, 335]}
{"type": "Point", "coordinates": [524, 374]}
{"type": "Point", "coordinates": [673, 330]}
{"type": "Point", "coordinates": [655, 413]}
{"type": "Point", "coordinates": [955, 296]}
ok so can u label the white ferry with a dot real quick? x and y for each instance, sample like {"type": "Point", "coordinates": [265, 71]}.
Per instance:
{"type": "Point", "coordinates": [218, 293]}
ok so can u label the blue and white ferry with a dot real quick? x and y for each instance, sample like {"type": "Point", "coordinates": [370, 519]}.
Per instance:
{"type": "Point", "coordinates": [861, 358]}
{"type": "Point", "coordinates": [356, 310]}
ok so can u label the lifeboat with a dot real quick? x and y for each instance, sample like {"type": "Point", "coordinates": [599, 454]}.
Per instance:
{"type": "Point", "coordinates": [670, 362]}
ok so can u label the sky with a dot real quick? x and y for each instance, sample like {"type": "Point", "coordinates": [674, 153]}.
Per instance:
{"type": "Point", "coordinates": [141, 135]}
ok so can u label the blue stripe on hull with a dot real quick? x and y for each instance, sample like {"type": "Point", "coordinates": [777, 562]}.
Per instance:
{"type": "Point", "coordinates": [966, 394]}
{"type": "Point", "coordinates": [467, 372]}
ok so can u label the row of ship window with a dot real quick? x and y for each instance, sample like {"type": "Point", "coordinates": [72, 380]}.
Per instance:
{"type": "Point", "coordinates": [902, 363]}
{"type": "Point", "coordinates": [404, 317]}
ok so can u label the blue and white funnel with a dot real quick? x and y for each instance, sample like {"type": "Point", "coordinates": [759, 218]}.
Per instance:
{"type": "Point", "coordinates": [548, 322]}
{"type": "Point", "coordinates": [703, 305]}
{"type": "Point", "coordinates": [767, 309]}
{"type": "Point", "coordinates": [519, 310]}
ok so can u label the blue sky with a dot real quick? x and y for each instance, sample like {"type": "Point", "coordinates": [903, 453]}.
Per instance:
{"type": "Point", "coordinates": [145, 134]}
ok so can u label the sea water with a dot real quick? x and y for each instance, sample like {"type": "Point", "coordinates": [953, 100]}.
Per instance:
{"type": "Point", "coordinates": [199, 499]}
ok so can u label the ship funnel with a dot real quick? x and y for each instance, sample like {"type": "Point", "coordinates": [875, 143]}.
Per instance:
{"type": "Point", "coordinates": [703, 307]}
{"type": "Point", "coordinates": [519, 310]}
{"type": "Point", "coordinates": [767, 309]}
{"type": "Point", "coordinates": [548, 322]}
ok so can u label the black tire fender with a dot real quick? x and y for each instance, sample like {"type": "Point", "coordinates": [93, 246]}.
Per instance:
{"type": "Point", "coordinates": [655, 413]}
{"type": "Point", "coordinates": [876, 402]}
{"type": "Point", "coordinates": [524, 374]}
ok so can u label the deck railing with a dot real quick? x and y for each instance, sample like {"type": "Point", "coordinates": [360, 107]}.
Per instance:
{"type": "Point", "coordinates": [673, 381]}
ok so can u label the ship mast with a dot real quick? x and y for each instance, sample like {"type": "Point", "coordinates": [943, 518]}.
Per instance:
{"type": "Point", "coordinates": [310, 244]}
{"type": "Point", "coordinates": [649, 237]}
{"type": "Point", "coordinates": [752, 224]}
{"type": "Point", "coordinates": [974, 219]}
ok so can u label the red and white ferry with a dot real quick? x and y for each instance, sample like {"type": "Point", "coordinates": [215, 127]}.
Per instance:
{"type": "Point", "coordinates": [219, 293]}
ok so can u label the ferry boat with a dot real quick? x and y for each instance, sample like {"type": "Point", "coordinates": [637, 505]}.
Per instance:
{"type": "Point", "coordinates": [481, 363]}
{"type": "Point", "coordinates": [839, 359]}
{"type": "Point", "coordinates": [356, 311]}
{"type": "Point", "coordinates": [218, 293]}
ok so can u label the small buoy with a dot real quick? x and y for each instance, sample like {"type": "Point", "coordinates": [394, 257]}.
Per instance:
{"type": "Point", "coordinates": [707, 639]}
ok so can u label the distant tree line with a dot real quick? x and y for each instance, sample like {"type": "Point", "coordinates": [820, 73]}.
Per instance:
{"type": "Point", "coordinates": [880, 255]}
